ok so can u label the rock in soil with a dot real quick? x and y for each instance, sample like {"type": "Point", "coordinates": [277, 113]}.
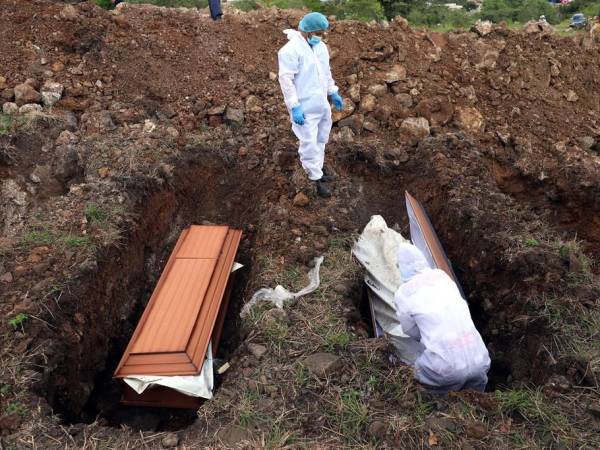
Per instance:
{"type": "Point", "coordinates": [51, 93]}
{"type": "Point", "coordinates": [171, 440]}
{"type": "Point", "coordinates": [24, 94]}
{"type": "Point", "coordinates": [233, 436]}
{"type": "Point", "coordinates": [476, 430]}
{"type": "Point", "coordinates": [594, 409]}
{"type": "Point", "coordinates": [6, 278]}
{"type": "Point", "coordinates": [10, 422]}
{"type": "Point", "coordinates": [322, 364]}
{"type": "Point", "coordinates": [257, 350]}
{"type": "Point", "coordinates": [441, 423]}
{"type": "Point", "coordinates": [301, 200]}
{"type": "Point", "coordinates": [10, 108]}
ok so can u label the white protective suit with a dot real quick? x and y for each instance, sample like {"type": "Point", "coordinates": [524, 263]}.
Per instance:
{"type": "Point", "coordinates": [305, 79]}
{"type": "Point", "coordinates": [431, 309]}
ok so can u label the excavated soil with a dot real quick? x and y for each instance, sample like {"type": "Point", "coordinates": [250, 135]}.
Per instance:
{"type": "Point", "coordinates": [169, 119]}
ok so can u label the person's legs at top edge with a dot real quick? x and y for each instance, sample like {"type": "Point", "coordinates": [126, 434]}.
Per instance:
{"type": "Point", "coordinates": [215, 9]}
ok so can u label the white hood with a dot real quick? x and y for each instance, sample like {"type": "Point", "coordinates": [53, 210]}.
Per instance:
{"type": "Point", "coordinates": [292, 34]}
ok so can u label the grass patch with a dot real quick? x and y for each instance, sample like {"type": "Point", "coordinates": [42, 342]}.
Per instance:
{"type": "Point", "coordinates": [6, 122]}
{"type": "Point", "coordinates": [525, 402]}
{"type": "Point", "coordinates": [301, 375]}
{"type": "Point", "coordinates": [72, 241]}
{"type": "Point", "coordinates": [246, 5]}
{"type": "Point", "coordinates": [95, 214]}
{"type": "Point", "coordinates": [338, 340]}
{"type": "Point", "coordinates": [353, 415]}
{"type": "Point", "coordinates": [276, 331]}
{"type": "Point", "coordinates": [577, 328]}
{"type": "Point", "coordinates": [18, 321]}
{"type": "Point", "coordinates": [38, 237]}
{"type": "Point", "coordinates": [531, 242]}
{"type": "Point", "coordinates": [580, 265]}
{"type": "Point", "coordinates": [274, 271]}
{"type": "Point", "coordinates": [278, 438]}
{"type": "Point", "coordinates": [247, 411]}
{"type": "Point", "coordinates": [17, 408]}
{"type": "Point", "coordinates": [533, 407]}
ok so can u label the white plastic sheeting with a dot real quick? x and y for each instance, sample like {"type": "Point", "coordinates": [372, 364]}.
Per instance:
{"type": "Point", "coordinates": [376, 251]}
{"type": "Point", "coordinates": [200, 385]}
{"type": "Point", "coordinates": [280, 295]}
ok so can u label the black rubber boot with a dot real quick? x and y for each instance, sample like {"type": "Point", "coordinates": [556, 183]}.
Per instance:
{"type": "Point", "coordinates": [322, 189]}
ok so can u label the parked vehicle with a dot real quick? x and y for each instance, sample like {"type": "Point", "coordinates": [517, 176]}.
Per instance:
{"type": "Point", "coordinates": [578, 21]}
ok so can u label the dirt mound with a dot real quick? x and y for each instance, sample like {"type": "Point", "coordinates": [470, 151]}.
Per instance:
{"type": "Point", "coordinates": [132, 124]}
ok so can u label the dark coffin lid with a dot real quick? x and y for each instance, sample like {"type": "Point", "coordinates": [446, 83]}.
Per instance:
{"type": "Point", "coordinates": [424, 237]}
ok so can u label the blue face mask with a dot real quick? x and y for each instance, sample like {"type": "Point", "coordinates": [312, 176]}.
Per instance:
{"type": "Point", "coordinates": [314, 40]}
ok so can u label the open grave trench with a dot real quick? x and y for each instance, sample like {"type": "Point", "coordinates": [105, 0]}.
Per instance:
{"type": "Point", "coordinates": [78, 380]}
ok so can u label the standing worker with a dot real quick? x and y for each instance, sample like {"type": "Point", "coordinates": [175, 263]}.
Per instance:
{"type": "Point", "coordinates": [306, 82]}
{"type": "Point", "coordinates": [432, 311]}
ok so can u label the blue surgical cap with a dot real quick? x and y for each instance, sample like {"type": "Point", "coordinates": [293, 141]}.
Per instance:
{"type": "Point", "coordinates": [313, 21]}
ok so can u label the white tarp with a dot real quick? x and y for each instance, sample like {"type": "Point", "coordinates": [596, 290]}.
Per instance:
{"type": "Point", "coordinates": [280, 295]}
{"type": "Point", "coordinates": [376, 251]}
{"type": "Point", "coordinates": [200, 385]}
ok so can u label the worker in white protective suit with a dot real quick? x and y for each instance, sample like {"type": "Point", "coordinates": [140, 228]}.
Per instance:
{"type": "Point", "coordinates": [431, 310]}
{"type": "Point", "coordinates": [306, 82]}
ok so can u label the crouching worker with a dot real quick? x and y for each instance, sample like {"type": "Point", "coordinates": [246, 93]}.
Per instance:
{"type": "Point", "coordinates": [432, 311]}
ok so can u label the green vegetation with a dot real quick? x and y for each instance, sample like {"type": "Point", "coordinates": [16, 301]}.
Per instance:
{"type": "Point", "coordinates": [17, 408]}
{"type": "Point", "coordinates": [353, 415]}
{"type": "Point", "coordinates": [518, 10]}
{"type": "Point", "coordinates": [428, 13]}
{"type": "Point", "coordinates": [39, 236]}
{"type": "Point", "coordinates": [5, 390]}
{"type": "Point", "coordinates": [18, 321]}
{"type": "Point", "coordinates": [533, 406]}
{"type": "Point", "coordinates": [532, 242]}
{"type": "Point", "coordinates": [248, 415]}
{"type": "Point", "coordinates": [577, 328]}
{"type": "Point", "coordinates": [93, 213]}
{"type": "Point", "coordinates": [5, 124]}
{"type": "Point", "coordinates": [72, 241]}
{"type": "Point", "coordinates": [337, 340]}
{"type": "Point", "coordinates": [45, 235]}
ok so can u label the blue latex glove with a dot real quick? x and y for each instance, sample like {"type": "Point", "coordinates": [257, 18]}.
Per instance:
{"type": "Point", "coordinates": [298, 115]}
{"type": "Point", "coordinates": [337, 101]}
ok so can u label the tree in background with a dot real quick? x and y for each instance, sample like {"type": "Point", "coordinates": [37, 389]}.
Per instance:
{"type": "Point", "coordinates": [363, 10]}
{"type": "Point", "coordinates": [533, 9]}
{"type": "Point", "coordinates": [518, 10]}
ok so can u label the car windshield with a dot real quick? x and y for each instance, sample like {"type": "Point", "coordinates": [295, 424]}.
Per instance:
{"type": "Point", "coordinates": [578, 17]}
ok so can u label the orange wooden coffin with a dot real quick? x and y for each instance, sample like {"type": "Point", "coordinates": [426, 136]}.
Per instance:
{"type": "Point", "coordinates": [179, 321]}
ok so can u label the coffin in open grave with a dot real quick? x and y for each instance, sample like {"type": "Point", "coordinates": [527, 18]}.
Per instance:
{"type": "Point", "coordinates": [168, 361]}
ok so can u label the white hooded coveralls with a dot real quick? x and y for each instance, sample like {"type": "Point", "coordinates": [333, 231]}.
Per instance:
{"type": "Point", "coordinates": [431, 309]}
{"type": "Point", "coordinates": [305, 79]}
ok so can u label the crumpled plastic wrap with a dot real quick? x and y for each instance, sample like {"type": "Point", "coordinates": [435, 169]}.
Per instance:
{"type": "Point", "coordinates": [280, 295]}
